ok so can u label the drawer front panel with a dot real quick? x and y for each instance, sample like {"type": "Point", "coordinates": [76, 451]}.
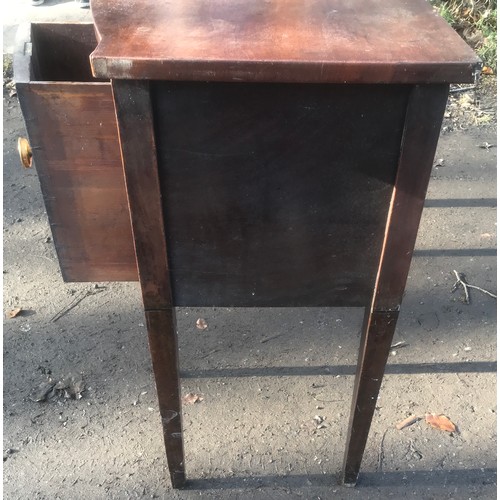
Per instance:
{"type": "Point", "coordinates": [73, 134]}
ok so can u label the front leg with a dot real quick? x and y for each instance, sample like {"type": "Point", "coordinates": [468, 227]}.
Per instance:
{"type": "Point", "coordinates": [422, 126]}
{"type": "Point", "coordinates": [135, 126]}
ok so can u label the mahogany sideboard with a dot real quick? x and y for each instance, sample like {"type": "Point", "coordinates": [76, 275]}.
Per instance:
{"type": "Point", "coordinates": [245, 154]}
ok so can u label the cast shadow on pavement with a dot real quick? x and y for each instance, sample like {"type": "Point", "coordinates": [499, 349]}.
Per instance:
{"type": "Point", "coordinates": [334, 370]}
{"type": "Point", "coordinates": [441, 478]}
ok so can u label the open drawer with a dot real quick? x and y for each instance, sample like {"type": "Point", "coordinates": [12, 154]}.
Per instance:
{"type": "Point", "coordinates": [71, 125]}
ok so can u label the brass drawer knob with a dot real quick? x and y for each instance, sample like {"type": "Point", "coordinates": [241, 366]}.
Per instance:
{"type": "Point", "coordinates": [25, 154]}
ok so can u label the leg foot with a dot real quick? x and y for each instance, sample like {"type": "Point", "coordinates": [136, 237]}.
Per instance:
{"type": "Point", "coordinates": [378, 330]}
{"type": "Point", "coordinates": [163, 347]}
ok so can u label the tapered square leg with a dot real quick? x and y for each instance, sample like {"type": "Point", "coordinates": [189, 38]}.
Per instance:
{"type": "Point", "coordinates": [163, 348]}
{"type": "Point", "coordinates": [422, 126]}
{"type": "Point", "coordinates": [378, 330]}
{"type": "Point", "coordinates": [134, 114]}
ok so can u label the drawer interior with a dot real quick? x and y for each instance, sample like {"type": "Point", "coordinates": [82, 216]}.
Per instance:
{"type": "Point", "coordinates": [60, 52]}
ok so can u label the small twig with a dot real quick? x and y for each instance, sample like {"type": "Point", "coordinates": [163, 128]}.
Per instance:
{"type": "Point", "coordinates": [461, 380]}
{"type": "Point", "coordinates": [399, 345]}
{"type": "Point", "coordinates": [458, 283]}
{"type": "Point", "coordinates": [74, 303]}
{"type": "Point", "coordinates": [461, 281]}
{"type": "Point", "coordinates": [407, 422]}
{"type": "Point", "coordinates": [213, 351]}
{"type": "Point", "coordinates": [68, 308]}
{"type": "Point", "coordinates": [327, 400]}
{"type": "Point", "coordinates": [483, 290]}
{"type": "Point", "coordinates": [381, 452]}
{"type": "Point", "coordinates": [267, 339]}
{"type": "Point", "coordinates": [462, 89]}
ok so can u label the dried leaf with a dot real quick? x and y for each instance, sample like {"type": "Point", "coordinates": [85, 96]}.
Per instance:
{"type": "Point", "coordinates": [41, 393]}
{"type": "Point", "coordinates": [440, 422]}
{"type": "Point", "coordinates": [487, 70]}
{"type": "Point", "coordinates": [68, 387]}
{"type": "Point", "coordinates": [192, 398]}
{"type": "Point", "coordinates": [201, 324]}
{"type": "Point", "coordinates": [15, 312]}
{"type": "Point", "coordinates": [407, 422]}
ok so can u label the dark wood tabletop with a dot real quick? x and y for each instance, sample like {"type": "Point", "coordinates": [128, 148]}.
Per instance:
{"type": "Point", "coordinates": [328, 41]}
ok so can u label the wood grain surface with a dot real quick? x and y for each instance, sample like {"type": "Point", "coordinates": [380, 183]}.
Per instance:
{"type": "Point", "coordinates": [265, 194]}
{"type": "Point", "coordinates": [276, 195]}
{"type": "Point", "coordinates": [73, 134]}
{"type": "Point", "coordinates": [72, 129]}
{"type": "Point", "coordinates": [423, 123]}
{"type": "Point", "coordinates": [137, 139]}
{"type": "Point", "coordinates": [336, 41]}
{"type": "Point", "coordinates": [134, 113]}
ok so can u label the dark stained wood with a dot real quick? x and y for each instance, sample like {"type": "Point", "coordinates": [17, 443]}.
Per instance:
{"type": "Point", "coordinates": [276, 195]}
{"type": "Point", "coordinates": [61, 51]}
{"type": "Point", "coordinates": [305, 192]}
{"type": "Point", "coordinates": [73, 135]}
{"type": "Point", "coordinates": [422, 128]}
{"type": "Point", "coordinates": [424, 116]}
{"type": "Point", "coordinates": [326, 41]}
{"type": "Point", "coordinates": [164, 353]}
{"type": "Point", "coordinates": [72, 131]}
{"type": "Point", "coordinates": [135, 125]}
{"type": "Point", "coordinates": [377, 334]}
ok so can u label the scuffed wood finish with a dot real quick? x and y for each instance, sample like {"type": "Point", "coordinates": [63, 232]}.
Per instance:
{"type": "Point", "coordinates": [72, 130]}
{"type": "Point", "coordinates": [135, 125]}
{"type": "Point", "coordinates": [268, 192]}
{"type": "Point", "coordinates": [164, 354]}
{"type": "Point", "coordinates": [423, 124]}
{"type": "Point", "coordinates": [276, 194]}
{"type": "Point", "coordinates": [73, 135]}
{"type": "Point", "coordinates": [334, 41]}
{"type": "Point", "coordinates": [424, 116]}
{"type": "Point", "coordinates": [377, 333]}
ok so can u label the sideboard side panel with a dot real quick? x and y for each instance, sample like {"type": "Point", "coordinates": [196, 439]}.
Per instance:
{"type": "Point", "coordinates": [276, 194]}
